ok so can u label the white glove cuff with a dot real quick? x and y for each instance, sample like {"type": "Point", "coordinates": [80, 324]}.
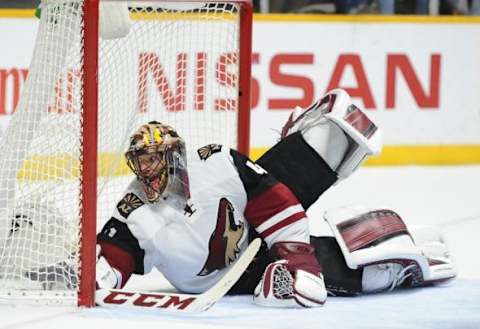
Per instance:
{"type": "Point", "coordinates": [107, 277]}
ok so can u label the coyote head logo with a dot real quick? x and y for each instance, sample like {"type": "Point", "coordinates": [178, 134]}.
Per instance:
{"type": "Point", "coordinates": [223, 243]}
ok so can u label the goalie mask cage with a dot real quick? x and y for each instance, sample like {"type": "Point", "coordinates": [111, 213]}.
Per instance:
{"type": "Point", "coordinates": [99, 70]}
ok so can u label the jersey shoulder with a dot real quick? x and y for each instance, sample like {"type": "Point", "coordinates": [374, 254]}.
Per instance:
{"type": "Point", "coordinates": [214, 158]}
{"type": "Point", "coordinates": [252, 176]}
{"type": "Point", "coordinates": [205, 152]}
{"type": "Point", "coordinates": [131, 200]}
{"type": "Point", "coordinates": [217, 153]}
{"type": "Point", "coordinates": [210, 165]}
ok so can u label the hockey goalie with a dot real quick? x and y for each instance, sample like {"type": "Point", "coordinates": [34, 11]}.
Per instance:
{"type": "Point", "coordinates": [192, 220]}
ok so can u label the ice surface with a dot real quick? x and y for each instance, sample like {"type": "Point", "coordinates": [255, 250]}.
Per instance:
{"type": "Point", "coordinates": [443, 196]}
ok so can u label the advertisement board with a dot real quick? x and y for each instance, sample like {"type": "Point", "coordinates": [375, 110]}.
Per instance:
{"type": "Point", "coordinates": [417, 77]}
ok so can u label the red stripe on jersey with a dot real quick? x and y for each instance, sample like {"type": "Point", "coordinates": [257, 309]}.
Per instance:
{"type": "Point", "coordinates": [269, 203]}
{"type": "Point", "coordinates": [287, 221]}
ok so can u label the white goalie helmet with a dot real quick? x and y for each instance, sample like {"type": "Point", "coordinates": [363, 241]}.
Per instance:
{"type": "Point", "coordinates": [157, 156]}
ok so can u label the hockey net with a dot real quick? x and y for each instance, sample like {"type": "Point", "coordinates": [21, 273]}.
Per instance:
{"type": "Point", "coordinates": [182, 63]}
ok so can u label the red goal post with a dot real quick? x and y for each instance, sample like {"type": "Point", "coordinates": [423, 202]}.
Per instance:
{"type": "Point", "coordinates": [92, 81]}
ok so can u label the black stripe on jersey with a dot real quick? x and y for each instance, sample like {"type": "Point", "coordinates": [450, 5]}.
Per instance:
{"type": "Point", "coordinates": [254, 178]}
{"type": "Point", "coordinates": [117, 233]}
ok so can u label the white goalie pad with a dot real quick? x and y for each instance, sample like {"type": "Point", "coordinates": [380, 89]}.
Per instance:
{"type": "Point", "coordinates": [369, 236]}
{"type": "Point", "coordinates": [365, 134]}
{"type": "Point", "coordinates": [341, 133]}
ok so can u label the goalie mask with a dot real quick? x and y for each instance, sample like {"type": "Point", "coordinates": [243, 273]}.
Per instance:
{"type": "Point", "coordinates": [157, 157]}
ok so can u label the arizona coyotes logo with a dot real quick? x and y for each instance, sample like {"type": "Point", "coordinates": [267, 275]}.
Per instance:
{"type": "Point", "coordinates": [129, 203]}
{"type": "Point", "coordinates": [223, 244]}
{"type": "Point", "coordinates": [206, 151]}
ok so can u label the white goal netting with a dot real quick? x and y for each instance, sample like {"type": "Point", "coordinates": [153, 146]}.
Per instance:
{"type": "Point", "coordinates": [176, 63]}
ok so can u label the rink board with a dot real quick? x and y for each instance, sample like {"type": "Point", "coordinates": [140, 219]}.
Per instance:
{"type": "Point", "coordinates": [416, 76]}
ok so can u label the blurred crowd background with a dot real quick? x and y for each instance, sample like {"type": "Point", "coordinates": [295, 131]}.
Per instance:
{"type": "Point", "coordinates": [383, 7]}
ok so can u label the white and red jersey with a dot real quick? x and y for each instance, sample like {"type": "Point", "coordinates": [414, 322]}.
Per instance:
{"type": "Point", "coordinates": [194, 246]}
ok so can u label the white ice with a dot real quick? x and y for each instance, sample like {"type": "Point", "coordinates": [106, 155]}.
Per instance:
{"type": "Point", "coordinates": [442, 196]}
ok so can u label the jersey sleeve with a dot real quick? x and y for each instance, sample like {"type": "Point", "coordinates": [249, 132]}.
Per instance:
{"type": "Point", "coordinates": [272, 209]}
{"type": "Point", "coordinates": [119, 245]}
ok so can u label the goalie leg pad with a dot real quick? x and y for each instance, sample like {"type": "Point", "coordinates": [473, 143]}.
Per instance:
{"type": "Point", "coordinates": [339, 131]}
{"type": "Point", "coordinates": [294, 163]}
{"type": "Point", "coordinates": [371, 237]}
{"type": "Point", "coordinates": [371, 228]}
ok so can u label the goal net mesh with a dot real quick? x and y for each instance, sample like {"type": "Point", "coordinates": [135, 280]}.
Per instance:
{"type": "Point", "coordinates": [171, 62]}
